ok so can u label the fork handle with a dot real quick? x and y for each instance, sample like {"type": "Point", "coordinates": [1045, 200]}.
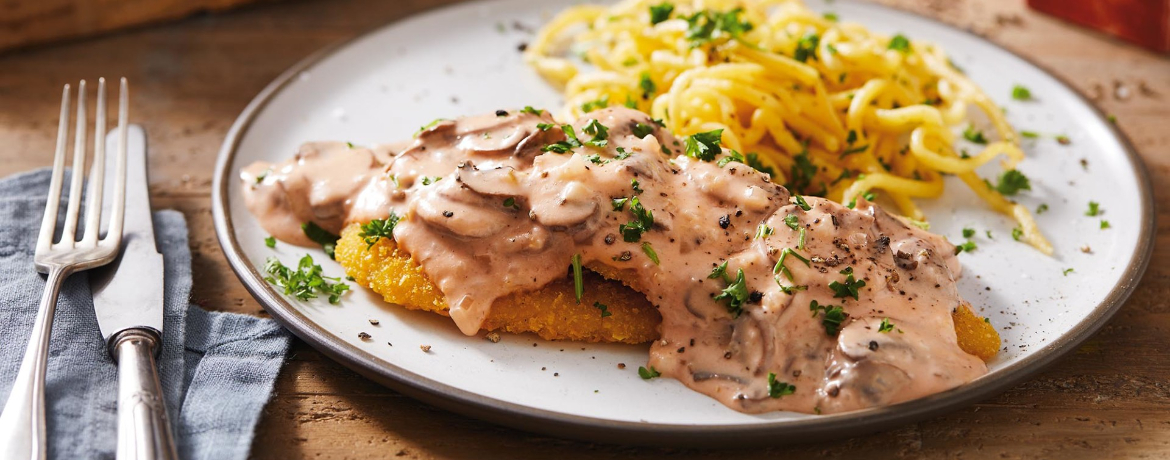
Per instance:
{"type": "Point", "coordinates": [144, 432]}
{"type": "Point", "coordinates": [22, 424]}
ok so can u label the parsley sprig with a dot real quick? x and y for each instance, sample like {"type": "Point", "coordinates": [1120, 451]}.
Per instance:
{"type": "Point", "coordinates": [306, 281]}
{"type": "Point", "coordinates": [328, 241]}
{"type": "Point", "coordinates": [780, 268]}
{"type": "Point", "coordinates": [777, 389]}
{"type": "Point", "coordinates": [643, 220]}
{"type": "Point", "coordinates": [735, 294]}
{"type": "Point", "coordinates": [849, 287]}
{"type": "Point", "coordinates": [1011, 182]}
{"type": "Point", "coordinates": [834, 315]}
{"type": "Point", "coordinates": [704, 146]}
{"type": "Point", "coordinates": [377, 229]}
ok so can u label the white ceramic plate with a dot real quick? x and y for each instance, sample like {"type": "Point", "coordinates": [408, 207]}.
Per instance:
{"type": "Point", "coordinates": [464, 60]}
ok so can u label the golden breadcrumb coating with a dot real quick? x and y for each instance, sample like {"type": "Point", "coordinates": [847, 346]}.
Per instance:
{"type": "Point", "coordinates": [976, 335]}
{"type": "Point", "coordinates": [552, 312]}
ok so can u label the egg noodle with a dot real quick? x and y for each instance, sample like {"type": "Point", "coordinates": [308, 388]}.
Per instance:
{"type": "Point", "coordinates": [828, 108]}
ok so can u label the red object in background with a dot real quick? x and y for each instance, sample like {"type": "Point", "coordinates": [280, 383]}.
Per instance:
{"type": "Point", "coordinates": [1144, 22]}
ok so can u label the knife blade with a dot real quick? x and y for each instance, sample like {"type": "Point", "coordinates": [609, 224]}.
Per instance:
{"type": "Point", "coordinates": [129, 292]}
{"type": "Point", "coordinates": [128, 300]}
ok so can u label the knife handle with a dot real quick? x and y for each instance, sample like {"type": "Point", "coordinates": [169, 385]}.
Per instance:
{"type": "Point", "coordinates": [144, 432]}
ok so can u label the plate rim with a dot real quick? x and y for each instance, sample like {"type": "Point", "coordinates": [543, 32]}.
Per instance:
{"type": "Point", "coordinates": [645, 433]}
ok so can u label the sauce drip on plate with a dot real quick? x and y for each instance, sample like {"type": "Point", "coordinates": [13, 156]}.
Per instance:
{"type": "Point", "coordinates": [768, 302]}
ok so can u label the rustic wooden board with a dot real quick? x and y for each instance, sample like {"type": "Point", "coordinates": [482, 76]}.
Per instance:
{"type": "Point", "coordinates": [29, 22]}
{"type": "Point", "coordinates": [190, 79]}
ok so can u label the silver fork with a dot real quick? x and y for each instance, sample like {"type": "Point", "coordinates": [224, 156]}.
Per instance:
{"type": "Point", "coordinates": [22, 424]}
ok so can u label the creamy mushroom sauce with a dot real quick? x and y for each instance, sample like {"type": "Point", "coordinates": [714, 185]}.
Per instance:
{"type": "Point", "coordinates": [450, 184]}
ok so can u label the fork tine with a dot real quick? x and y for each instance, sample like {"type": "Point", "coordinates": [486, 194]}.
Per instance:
{"type": "Point", "coordinates": [114, 235]}
{"type": "Point", "coordinates": [97, 170]}
{"type": "Point", "coordinates": [69, 234]}
{"type": "Point", "coordinates": [49, 221]}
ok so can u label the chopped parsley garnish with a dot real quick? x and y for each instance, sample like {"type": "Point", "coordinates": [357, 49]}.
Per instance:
{"type": "Point", "coordinates": [831, 16]}
{"type": "Point", "coordinates": [600, 103]}
{"type": "Point", "coordinates": [802, 173]}
{"type": "Point", "coordinates": [429, 125]}
{"type": "Point", "coordinates": [736, 293]}
{"type": "Point", "coordinates": [350, 145]}
{"type": "Point", "coordinates": [719, 272]}
{"type": "Point", "coordinates": [1043, 207]}
{"type": "Point", "coordinates": [642, 223]}
{"type": "Point", "coordinates": [1021, 93]}
{"type": "Point", "coordinates": [973, 135]}
{"type": "Point", "coordinates": [1112, 119]}
{"type": "Point", "coordinates": [649, 251]}
{"type": "Point", "coordinates": [270, 242]}
{"type": "Point", "coordinates": [578, 280]}
{"type": "Point", "coordinates": [599, 132]}
{"type": "Point", "coordinates": [849, 287]}
{"type": "Point", "coordinates": [1011, 182]}
{"type": "Point", "coordinates": [806, 47]}
{"type": "Point", "coordinates": [1063, 140]}
{"type": "Point", "coordinates": [763, 231]}
{"type": "Point", "coordinates": [704, 146]}
{"type": "Point", "coordinates": [782, 269]}
{"type": "Point", "coordinates": [778, 389]}
{"type": "Point", "coordinates": [260, 177]}
{"type": "Point", "coordinates": [328, 241]}
{"type": "Point", "coordinates": [642, 130]}
{"type": "Point", "coordinates": [648, 374]}
{"type": "Point", "coordinates": [529, 109]}
{"type": "Point", "coordinates": [1029, 134]}
{"type": "Point", "coordinates": [1067, 271]}
{"type": "Point", "coordinates": [604, 309]}
{"type": "Point", "coordinates": [377, 229]}
{"type": "Point", "coordinates": [622, 154]}
{"type": "Point", "coordinates": [510, 203]}
{"type": "Point", "coordinates": [1094, 209]}
{"type": "Point", "coordinates": [801, 202]}
{"type": "Point", "coordinates": [619, 203]}
{"type": "Point", "coordinates": [868, 195]}
{"type": "Point", "coordinates": [1017, 232]}
{"type": "Point", "coordinates": [429, 180]}
{"type": "Point", "coordinates": [306, 281]}
{"type": "Point", "coordinates": [791, 221]}
{"type": "Point", "coordinates": [968, 232]}
{"type": "Point", "coordinates": [834, 315]}
{"type": "Point", "coordinates": [752, 159]}
{"type": "Point", "coordinates": [544, 126]}
{"type": "Point", "coordinates": [647, 85]}
{"type": "Point", "coordinates": [660, 12]}
{"type": "Point", "coordinates": [634, 185]}
{"type": "Point", "coordinates": [853, 150]}
{"type": "Point", "coordinates": [596, 159]}
{"type": "Point", "coordinates": [899, 43]}
{"type": "Point", "coordinates": [570, 141]}
{"type": "Point", "coordinates": [969, 246]}
{"type": "Point", "coordinates": [1105, 224]}
{"type": "Point", "coordinates": [707, 26]}
{"type": "Point", "coordinates": [886, 325]}
{"type": "Point", "coordinates": [790, 289]}
{"type": "Point", "coordinates": [630, 102]}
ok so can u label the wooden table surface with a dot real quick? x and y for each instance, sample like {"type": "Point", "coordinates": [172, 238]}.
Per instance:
{"type": "Point", "coordinates": [1109, 399]}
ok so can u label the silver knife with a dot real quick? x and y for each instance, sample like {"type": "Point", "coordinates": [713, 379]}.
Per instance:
{"type": "Point", "coordinates": [128, 299]}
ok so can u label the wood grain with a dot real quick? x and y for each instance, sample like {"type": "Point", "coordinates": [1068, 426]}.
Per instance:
{"type": "Point", "coordinates": [30, 22]}
{"type": "Point", "coordinates": [1110, 399]}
